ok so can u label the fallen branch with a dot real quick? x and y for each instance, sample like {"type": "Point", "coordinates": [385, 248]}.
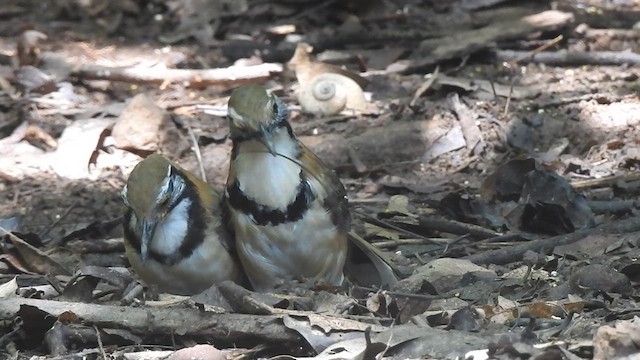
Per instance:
{"type": "Point", "coordinates": [588, 33]}
{"type": "Point", "coordinates": [605, 181]}
{"type": "Point", "coordinates": [601, 98]}
{"type": "Point", "coordinates": [570, 58]}
{"type": "Point", "coordinates": [468, 42]}
{"type": "Point", "coordinates": [514, 253]}
{"type": "Point", "coordinates": [230, 76]}
{"type": "Point", "coordinates": [613, 206]}
{"type": "Point", "coordinates": [150, 322]}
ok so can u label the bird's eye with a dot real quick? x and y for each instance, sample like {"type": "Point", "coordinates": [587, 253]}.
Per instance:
{"type": "Point", "coordinates": [164, 201]}
{"type": "Point", "coordinates": [280, 112]}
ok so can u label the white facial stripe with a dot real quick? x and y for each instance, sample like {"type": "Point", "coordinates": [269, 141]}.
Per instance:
{"type": "Point", "coordinates": [165, 187]}
{"type": "Point", "coordinates": [123, 194]}
{"type": "Point", "coordinates": [234, 114]}
{"type": "Point", "coordinates": [171, 232]}
{"type": "Point", "coordinates": [269, 105]}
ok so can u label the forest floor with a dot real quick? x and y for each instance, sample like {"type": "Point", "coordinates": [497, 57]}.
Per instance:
{"type": "Point", "coordinates": [492, 156]}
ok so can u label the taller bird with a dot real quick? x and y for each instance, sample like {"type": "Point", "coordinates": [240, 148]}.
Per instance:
{"type": "Point", "coordinates": [288, 210]}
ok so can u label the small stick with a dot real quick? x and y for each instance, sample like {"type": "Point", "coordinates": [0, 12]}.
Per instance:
{"type": "Point", "coordinates": [378, 222]}
{"type": "Point", "coordinates": [394, 243]}
{"type": "Point", "coordinates": [605, 181]}
{"type": "Point", "coordinates": [196, 150]}
{"type": "Point", "coordinates": [104, 354]}
{"type": "Point", "coordinates": [455, 227]}
{"type": "Point", "coordinates": [425, 86]}
{"type": "Point", "coordinates": [506, 105]}
{"type": "Point", "coordinates": [535, 51]}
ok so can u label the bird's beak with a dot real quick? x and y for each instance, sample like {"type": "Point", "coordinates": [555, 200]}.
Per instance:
{"type": "Point", "coordinates": [266, 137]}
{"type": "Point", "coordinates": [148, 230]}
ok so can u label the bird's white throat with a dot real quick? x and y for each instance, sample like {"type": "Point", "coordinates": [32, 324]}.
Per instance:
{"type": "Point", "coordinates": [269, 180]}
{"type": "Point", "coordinates": [171, 232]}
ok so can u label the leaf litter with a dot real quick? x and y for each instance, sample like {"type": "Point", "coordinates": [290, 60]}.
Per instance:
{"type": "Point", "coordinates": [499, 195]}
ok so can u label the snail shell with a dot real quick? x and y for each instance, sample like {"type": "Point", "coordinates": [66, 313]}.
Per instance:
{"type": "Point", "coordinates": [329, 94]}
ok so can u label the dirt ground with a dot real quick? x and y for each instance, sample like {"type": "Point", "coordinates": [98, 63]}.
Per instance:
{"type": "Point", "coordinates": [498, 140]}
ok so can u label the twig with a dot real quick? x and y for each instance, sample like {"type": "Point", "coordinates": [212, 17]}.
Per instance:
{"type": "Point", "coordinates": [455, 241]}
{"type": "Point", "coordinates": [455, 227]}
{"type": "Point", "coordinates": [459, 67]}
{"type": "Point", "coordinates": [425, 86]}
{"type": "Point", "coordinates": [365, 318]}
{"type": "Point", "coordinates": [196, 150]}
{"type": "Point", "coordinates": [230, 76]}
{"type": "Point", "coordinates": [599, 97]}
{"type": "Point", "coordinates": [492, 240]}
{"type": "Point", "coordinates": [104, 354]}
{"type": "Point", "coordinates": [595, 34]}
{"type": "Point", "coordinates": [508, 102]}
{"type": "Point", "coordinates": [537, 50]}
{"type": "Point", "coordinates": [378, 222]}
{"type": "Point", "coordinates": [395, 243]}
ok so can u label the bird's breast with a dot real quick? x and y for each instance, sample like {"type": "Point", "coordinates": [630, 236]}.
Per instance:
{"type": "Point", "coordinates": [269, 180]}
{"type": "Point", "coordinates": [208, 264]}
{"type": "Point", "coordinates": [311, 248]}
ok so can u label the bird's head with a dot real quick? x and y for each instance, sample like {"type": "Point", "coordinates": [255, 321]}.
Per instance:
{"type": "Point", "coordinates": [153, 189]}
{"type": "Point", "coordinates": [255, 113]}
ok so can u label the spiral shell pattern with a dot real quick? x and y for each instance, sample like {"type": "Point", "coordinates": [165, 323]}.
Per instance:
{"type": "Point", "coordinates": [330, 93]}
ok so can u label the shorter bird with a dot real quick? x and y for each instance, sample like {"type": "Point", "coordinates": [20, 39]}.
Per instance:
{"type": "Point", "coordinates": [287, 209]}
{"type": "Point", "coordinates": [172, 230]}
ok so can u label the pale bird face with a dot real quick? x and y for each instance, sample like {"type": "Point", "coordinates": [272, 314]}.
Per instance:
{"type": "Point", "coordinates": [255, 113]}
{"type": "Point", "coordinates": [153, 189]}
